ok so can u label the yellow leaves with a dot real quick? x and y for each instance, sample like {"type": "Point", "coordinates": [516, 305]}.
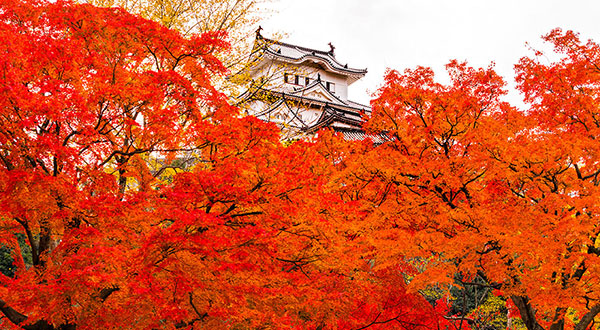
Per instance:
{"type": "Point", "coordinates": [491, 313]}
{"type": "Point", "coordinates": [138, 169]}
{"type": "Point", "coordinates": [597, 241]}
{"type": "Point", "coordinates": [237, 19]}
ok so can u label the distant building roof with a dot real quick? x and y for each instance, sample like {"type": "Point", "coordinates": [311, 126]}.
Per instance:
{"type": "Point", "coordinates": [360, 135]}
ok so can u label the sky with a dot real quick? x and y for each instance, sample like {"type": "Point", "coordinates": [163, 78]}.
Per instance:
{"type": "Point", "coordinates": [401, 34]}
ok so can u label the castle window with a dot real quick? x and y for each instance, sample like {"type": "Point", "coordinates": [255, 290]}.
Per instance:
{"type": "Point", "coordinates": [330, 86]}
{"type": "Point", "coordinates": [295, 79]}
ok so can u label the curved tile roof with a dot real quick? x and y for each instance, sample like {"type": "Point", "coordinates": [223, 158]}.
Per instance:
{"type": "Point", "coordinates": [298, 54]}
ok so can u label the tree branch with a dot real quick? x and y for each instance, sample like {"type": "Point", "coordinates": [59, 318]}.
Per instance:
{"type": "Point", "coordinates": [587, 318]}
{"type": "Point", "coordinates": [106, 292]}
{"type": "Point", "coordinates": [11, 314]}
{"type": "Point", "coordinates": [527, 312]}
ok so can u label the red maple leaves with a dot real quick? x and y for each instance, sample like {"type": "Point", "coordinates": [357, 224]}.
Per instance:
{"type": "Point", "coordinates": [146, 202]}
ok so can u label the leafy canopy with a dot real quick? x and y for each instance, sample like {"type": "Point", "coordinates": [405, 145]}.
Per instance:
{"type": "Point", "coordinates": [97, 106]}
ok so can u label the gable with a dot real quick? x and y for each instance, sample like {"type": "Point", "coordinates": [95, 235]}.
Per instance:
{"type": "Point", "coordinates": [286, 115]}
{"type": "Point", "coordinates": [318, 92]}
{"type": "Point", "coordinates": [319, 95]}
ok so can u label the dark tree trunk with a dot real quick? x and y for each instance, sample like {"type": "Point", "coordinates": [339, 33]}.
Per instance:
{"type": "Point", "coordinates": [527, 312]}
{"type": "Point", "coordinates": [587, 318]}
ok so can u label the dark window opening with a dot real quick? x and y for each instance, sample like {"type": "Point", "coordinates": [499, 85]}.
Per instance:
{"type": "Point", "coordinates": [330, 86]}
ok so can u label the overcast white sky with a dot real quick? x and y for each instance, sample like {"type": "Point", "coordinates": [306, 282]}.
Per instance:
{"type": "Point", "coordinates": [400, 34]}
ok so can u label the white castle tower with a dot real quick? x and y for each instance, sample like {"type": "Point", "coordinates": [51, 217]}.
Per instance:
{"type": "Point", "coordinates": [303, 89]}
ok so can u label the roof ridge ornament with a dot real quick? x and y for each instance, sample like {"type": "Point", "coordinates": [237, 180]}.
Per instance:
{"type": "Point", "coordinates": [331, 48]}
{"type": "Point", "coordinates": [258, 35]}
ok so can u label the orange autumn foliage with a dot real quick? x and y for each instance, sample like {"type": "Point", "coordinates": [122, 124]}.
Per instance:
{"type": "Point", "coordinates": [467, 184]}
{"type": "Point", "coordinates": [254, 235]}
{"type": "Point", "coordinates": [257, 234]}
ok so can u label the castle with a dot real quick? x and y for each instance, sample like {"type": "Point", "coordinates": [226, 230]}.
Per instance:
{"type": "Point", "coordinates": [303, 90]}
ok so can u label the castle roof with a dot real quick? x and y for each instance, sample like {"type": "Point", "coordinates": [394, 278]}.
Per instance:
{"type": "Point", "coordinates": [306, 95]}
{"type": "Point", "coordinates": [297, 55]}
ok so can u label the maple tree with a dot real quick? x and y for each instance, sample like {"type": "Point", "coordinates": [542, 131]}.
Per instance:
{"type": "Point", "coordinates": [468, 185]}
{"type": "Point", "coordinates": [238, 19]}
{"type": "Point", "coordinates": [98, 107]}
{"type": "Point", "coordinates": [253, 235]}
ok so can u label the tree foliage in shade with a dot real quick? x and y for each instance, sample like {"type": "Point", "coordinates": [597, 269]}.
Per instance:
{"type": "Point", "coordinates": [253, 236]}
{"type": "Point", "coordinates": [467, 184]}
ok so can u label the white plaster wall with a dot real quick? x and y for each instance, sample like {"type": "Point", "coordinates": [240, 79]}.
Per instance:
{"type": "Point", "coordinates": [341, 84]}
{"type": "Point", "coordinates": [309, 116]}
{"type": "Point", "coordinates": [256, 107]}
{"type": "Point", "coordinates": [274, 71]}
